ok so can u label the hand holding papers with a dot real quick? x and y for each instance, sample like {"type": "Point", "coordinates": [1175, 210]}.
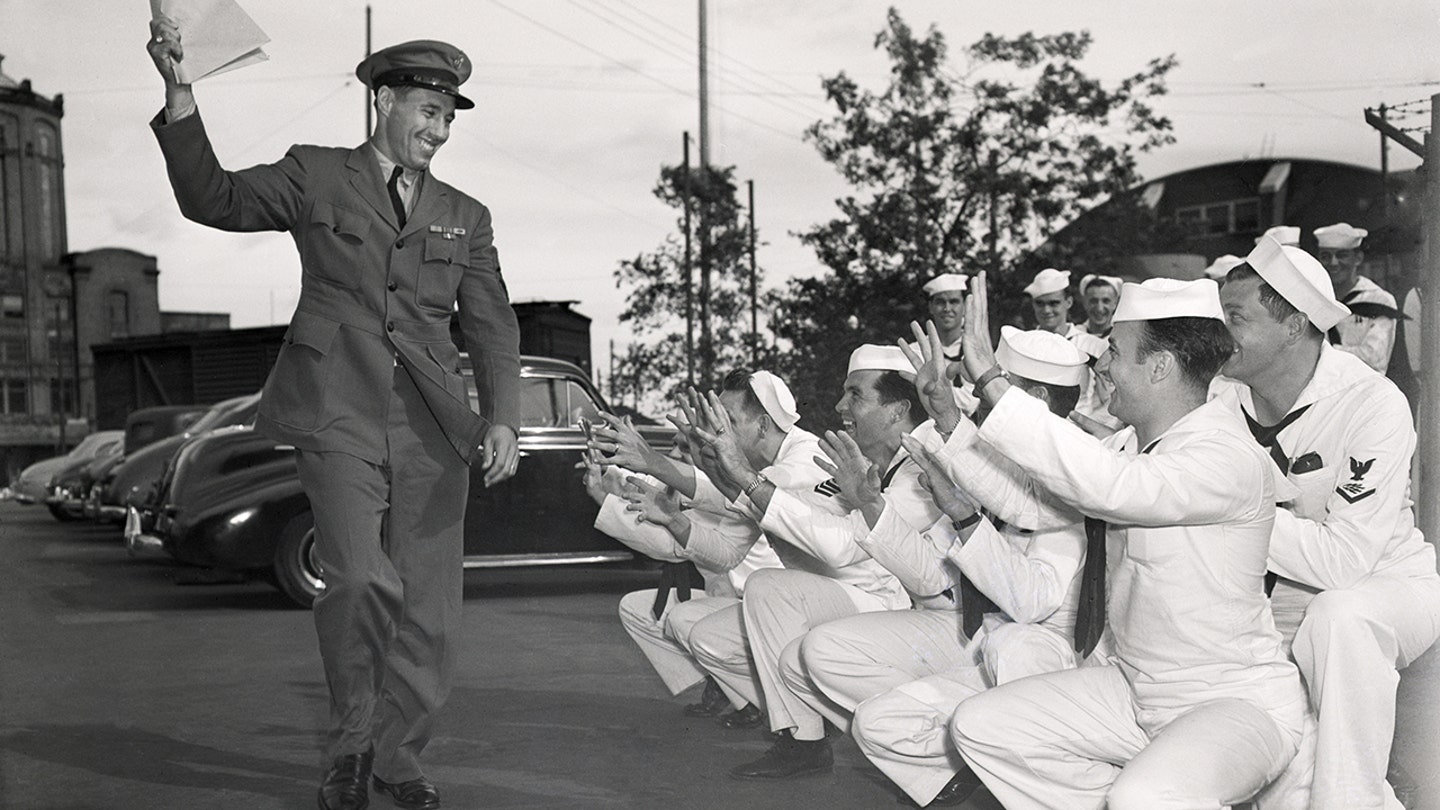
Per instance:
{"type": "Point", "coordinates": [212, 37]}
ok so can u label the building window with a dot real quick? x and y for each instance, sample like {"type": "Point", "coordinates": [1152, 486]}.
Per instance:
{"type": "Point", "coordinates": [119, 313]}
{"type": "Point", "coordinates": [12, 350]}
{"type": "Point", "coordinates": [63, 397]}
{"type": "Point", "coordinates": [1213, 219]}
{"type": "Point", "coordinates": [14, 396]}
{"type": "Point", "coordinates": [12, 306]}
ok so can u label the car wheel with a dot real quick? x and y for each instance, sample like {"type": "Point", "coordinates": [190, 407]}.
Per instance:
{"type": "Point", "coordinates": [61, 513]}
{"type": "Point", "coordinates": [297, 570]}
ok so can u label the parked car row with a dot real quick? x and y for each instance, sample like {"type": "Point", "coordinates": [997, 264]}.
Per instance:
{"type": "Point", "coordinates": [221, 496]}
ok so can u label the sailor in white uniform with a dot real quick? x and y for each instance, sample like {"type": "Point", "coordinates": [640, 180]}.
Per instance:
{"type": "Point", "coordinates": [1201, 707]}
{"type": "Point", "coordinates": [1369, 331]}
{"type": "Point", "coordinates": [1356, 588]}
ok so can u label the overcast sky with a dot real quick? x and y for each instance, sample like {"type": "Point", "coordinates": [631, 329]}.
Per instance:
{"type": "Point", "coordinates": [579, 102]}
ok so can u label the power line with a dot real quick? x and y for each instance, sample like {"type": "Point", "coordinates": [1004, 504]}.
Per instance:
{"type": "Point", "coordinates": [680, 52]}
{"type": "Point", "coordinates": [633, 69]}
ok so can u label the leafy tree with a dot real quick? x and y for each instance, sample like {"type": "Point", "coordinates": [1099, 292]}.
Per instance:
{"type": "Point", "coordinates": [955, 173]}
{"type": "Point", "coordinates": [653, 368]}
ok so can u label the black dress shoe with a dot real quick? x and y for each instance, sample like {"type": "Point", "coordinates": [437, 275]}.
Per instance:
{"type": "Point", "coordinates": [712, 701]}
{"type": "Point", "coordinates": [957, 790]}
{"type": "Point", "coordinates": [345, 785]}
{"type": "Point", "coordinates": [748, 717]}
{"type": "Point", "coordinates": [413, 794]}
{"type": "Point", "coordinates": [787, 758]}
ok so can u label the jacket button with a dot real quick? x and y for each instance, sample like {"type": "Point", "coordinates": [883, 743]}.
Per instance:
{"type": "Point", "coordinates": [392, 286]}
{"type": "Point", "coordinates": [400, 244]}
{"type": "Point", "coordinates": [389, 326]}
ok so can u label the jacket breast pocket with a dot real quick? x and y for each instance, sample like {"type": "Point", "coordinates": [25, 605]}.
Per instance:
{"type": "Point", "coordinates": [334, 246]}
{"type": "Point", "coordinates": [444, 263]}
{"type": "Point", "coordinates": [297, 391]}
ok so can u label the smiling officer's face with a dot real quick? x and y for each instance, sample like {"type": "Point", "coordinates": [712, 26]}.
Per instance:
{"type": "Point", "coordinates": [414, 124]}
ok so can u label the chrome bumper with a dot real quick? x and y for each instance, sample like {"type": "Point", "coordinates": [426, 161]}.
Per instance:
{"type": "Point", "coordinates": [137, 542]}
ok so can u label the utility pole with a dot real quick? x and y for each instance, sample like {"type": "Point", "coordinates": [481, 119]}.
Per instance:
{"type": "Point", "coordinates": [706, 346]}
{"type": "Point", "coordinates": [1428, 489]}
{"type": "Point", "coordinates": [1384, 170]}
{"type": "Point", "coordinates": [368, 106]}
{"type": "Point", "coordinates": [689, 270]}
{"type": "Point", "coordinates": [754, 325]}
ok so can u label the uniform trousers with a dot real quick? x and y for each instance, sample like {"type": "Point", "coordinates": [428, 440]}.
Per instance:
{"type": "Point", "coordinates": [1071, 739]}
{"type": "Point", "coordinates": [390, 539]}
{"type": "Point", "coordinates": [659, 639]}
{"type": "Point", "coordinates": [1350, 645]}
{"type": "Point", "coordinates": [905, 730]}
{"type": "Point", "coordinates": [780, 607]}
{"type": "Point", "coordinates": [719, 645]}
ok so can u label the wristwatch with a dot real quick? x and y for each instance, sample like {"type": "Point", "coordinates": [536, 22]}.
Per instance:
{"type": "Point", "coordinates": [987, 378]}
{"type": "Point", "coordinates": [755, 482]}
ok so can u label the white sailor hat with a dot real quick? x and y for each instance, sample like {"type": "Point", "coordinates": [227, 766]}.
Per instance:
{"type": "Point", "coordinates": [775, 398]}
{"type": "Point", "coordinates": [1086, 281]}
{"type": "Point", "coordinates": [873, 357]}
{"type": "Point", "coordinates": [1048, 281]}
{"type": "Point", "coordinates": [946, 282]}
{"type": "Point", "coordinates": [1340, 236]}
{"type": "Point", "coordinates": [1041, 356]}
{"type": "Point", "coordinates": [1221, 267]}
{"type": "Point", "coordinates": [1300, 279]}
{"type": "Point", "coordinates": [1159, 298]}
{"type": "Point", "coordinates": [1284, 234]}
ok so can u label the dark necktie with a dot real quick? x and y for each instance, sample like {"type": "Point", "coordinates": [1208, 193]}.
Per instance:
{"type": "Point", "coordinates": [1090, 615]}
{"type": "Point", "coordinates": [1090, 618]}
{"type": "Point", "coordinates": [395, 201]}
{"type": "Point", "coordinates": [677, 575]}
{"type": "Point", "coordinates": [974, 604]}
{"type": "Point", "coordinates": [1269, 438]}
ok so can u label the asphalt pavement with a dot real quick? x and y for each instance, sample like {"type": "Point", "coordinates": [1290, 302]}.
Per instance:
{"type": "Point", "coordinates": [120, 688]}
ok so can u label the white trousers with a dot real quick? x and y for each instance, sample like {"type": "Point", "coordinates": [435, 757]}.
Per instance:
{"type": "Point", "coordinates": [780, 607]}
{"type": "Point", "coordinates": [659, 640]}
{"type": "Point", "coordinates": [718, 644]}
{"type": "Point", "coordinates": [1350, 647]}
{"type": "Point", "coordinates": [905, 729]}
{"type": "Point", "coordinates": [1070, 740]}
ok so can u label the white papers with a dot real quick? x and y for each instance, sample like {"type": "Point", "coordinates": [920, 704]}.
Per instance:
{"type": "Point", "coordinates": [215, 35]}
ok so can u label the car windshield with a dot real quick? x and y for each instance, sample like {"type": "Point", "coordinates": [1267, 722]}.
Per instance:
{"type": "Point", "coordinates": [220, 414]}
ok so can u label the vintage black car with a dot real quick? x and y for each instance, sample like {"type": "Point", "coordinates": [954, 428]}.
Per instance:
{"type": "Point", "coordinates": [231, 500]}
{"type": "Point", "coordinates": [133, 481]}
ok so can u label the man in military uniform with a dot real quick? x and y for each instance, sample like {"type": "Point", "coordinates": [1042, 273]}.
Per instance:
{"type": "Point", "coordinates": [368, 389]}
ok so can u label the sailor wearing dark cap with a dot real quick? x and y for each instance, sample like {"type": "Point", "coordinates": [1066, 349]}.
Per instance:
{"type": "Point", "coordinates": [367, 388]}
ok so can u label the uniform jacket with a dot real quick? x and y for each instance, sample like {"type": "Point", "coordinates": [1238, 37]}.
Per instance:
{"type": "Point", "coordinates": [1350, 458]}
{"type": "Point", "coordinates": [1189, 525]}
{"type": "Point", "coordinates": [726, 537]}
{"type": "Point", "coordinates": [1029, 565]}
{"type": "Point", "coordinates": [822, 524]}
{"type": "Point", "coordinates": [373, 297]}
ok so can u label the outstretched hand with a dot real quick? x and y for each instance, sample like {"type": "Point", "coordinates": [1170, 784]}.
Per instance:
{"type": "Point", "coordinates": [857, 477]}
{"type": "Point", "coordinates": [650, 503]}
{"type": "Point", "coordinates": [719, 439]}
{"type": "Point", "coordinates": [979, 351]}
{"type": "Point", "coordinates": [947, 495]}
{"type": "Point", "coordinates": [933, 375]}
{"type": "Point", "coordinates": [619, 443]}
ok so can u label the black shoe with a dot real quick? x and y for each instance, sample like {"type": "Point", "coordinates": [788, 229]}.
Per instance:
{"type": "Point", "coordinates": [787, 758]}
{"type": "Point", "coordinates": [957, 790]}
{"type": "Point", "coordinates": [740, 719]}
{"type": "Point", "coordinates": [712, 701]}
{"type": "Point", "coordinates": [345, 785]}
{"type": "Point", "coordinates": [414, 794]}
